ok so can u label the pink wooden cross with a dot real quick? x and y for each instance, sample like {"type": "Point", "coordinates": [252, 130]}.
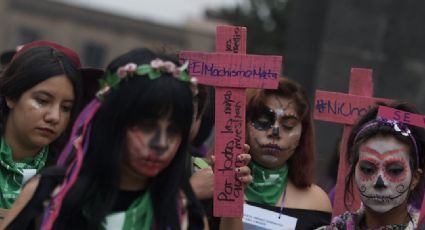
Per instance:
{"type": "Point", "coordinates": [230, 70]}
{"type": "Point", "coordinates": [345, 109]}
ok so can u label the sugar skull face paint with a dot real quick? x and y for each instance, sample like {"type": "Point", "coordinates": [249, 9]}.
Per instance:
{"type": "Point", "coordinates": [383, 174]}
{"type": "Point", "coordinates": [274, 132]}
{"type": "Point", "coordinates": [151, 146]}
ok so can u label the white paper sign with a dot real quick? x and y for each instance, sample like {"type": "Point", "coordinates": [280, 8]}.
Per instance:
{"type": "Point", "coordinates": [255, 218]}
{"type": "Point", "coordinates": [28, 173]}
{"type": "Point", "coordinates": [114, 221]}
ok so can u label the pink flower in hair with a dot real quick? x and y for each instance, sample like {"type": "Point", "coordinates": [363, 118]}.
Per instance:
{"type": "Point", "coordinates": [122, 72]}
{"type": "Point", "coordinates": [157, 63]}
{"type": "Point", "coordinates": [130, 67]}
{"type": "Point", "coordinates": [169, 67]}
{"type": "Point", "coordinates": [165, 66]}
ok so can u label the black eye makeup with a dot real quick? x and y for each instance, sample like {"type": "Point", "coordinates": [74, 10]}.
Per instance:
{"type": "Point", "coordinates": [265, 120]}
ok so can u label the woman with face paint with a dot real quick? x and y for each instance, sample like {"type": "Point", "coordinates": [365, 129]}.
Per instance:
{"type": "Point", "coordinates": [280, 134]}
{"type": "Point", "coordinates": [124, 164]}
{"type": "Point", "coordinates": [39, 95]}
{"type": "Point", "coordinates": [387, 164]}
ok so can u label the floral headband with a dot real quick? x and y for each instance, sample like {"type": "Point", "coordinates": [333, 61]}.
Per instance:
{"type": "Point", "coordinates": [397, 126]}
{"type": "Point", "coordinates": [152, 70]}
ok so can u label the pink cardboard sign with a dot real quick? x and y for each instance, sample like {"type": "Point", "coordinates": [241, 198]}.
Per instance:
{"type": "Point", "coordinates": [401, 116]}
{"type": "Point", "coordinates": [231, 39]}
{"type": "Point", "coordinates": [230, 70]}
{"type": "Point", "coordinates": [229, 142]}
{"type": "Point", "coordinates": [346, 109]}
{"type": "Point", "coordinates": [228, 201]}
{"type": "Point", "coordinates": [234, 70]}
{"type": "Point", "coordinates": [340, 107]}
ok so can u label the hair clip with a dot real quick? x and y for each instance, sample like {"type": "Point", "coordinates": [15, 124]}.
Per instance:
{"type": "Point", "coordinates": [397, 126]}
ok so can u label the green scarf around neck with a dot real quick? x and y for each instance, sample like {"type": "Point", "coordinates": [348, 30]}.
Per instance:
{"type": "Point", "coordinates": [267, 185]}
{"type": "Point", "coordinates": [12, 173]}
{"type": "Point", "coordinates": [138, 216]}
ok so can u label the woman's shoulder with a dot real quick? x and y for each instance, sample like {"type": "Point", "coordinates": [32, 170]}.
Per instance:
{"type": "Point", "coordinates": [312, 197]}
{"type": "Point", "coordinates": [24, 197]}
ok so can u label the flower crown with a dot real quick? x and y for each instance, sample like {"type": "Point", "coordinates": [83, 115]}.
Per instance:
{"type": "Point", "coordinates": [152, 70]}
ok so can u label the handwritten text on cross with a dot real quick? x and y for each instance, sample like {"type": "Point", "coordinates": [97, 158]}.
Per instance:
{"type": "Point", "coordinates": [231, 71]}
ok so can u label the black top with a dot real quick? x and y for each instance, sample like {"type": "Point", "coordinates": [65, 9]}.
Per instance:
{"type": "Point", "coordinates": [307, 219]}
{"type": "Point", "coordinates": [125, 199]}
{"type": "Point", "coordinates": [73, 216]}
{"type": "Point", "coordinates": [34, 208]}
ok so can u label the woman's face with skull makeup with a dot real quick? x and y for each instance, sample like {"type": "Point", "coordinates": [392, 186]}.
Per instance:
{"type": "Point", "coordinates": [383, 173]}
{"type": "Point", "coordinates": [274, 132]}
{"type": "Point", "coordinates": [151, 146]}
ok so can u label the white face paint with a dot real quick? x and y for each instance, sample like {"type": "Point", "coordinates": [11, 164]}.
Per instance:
{"type": "Point", "coordinates": [151, 146]}
{"type": "Point", "coordinates": [35, 104]}
{"type": "Point", "coordinates": [383, 174]}
{"type": "Point", "coordinates": [275, 133]}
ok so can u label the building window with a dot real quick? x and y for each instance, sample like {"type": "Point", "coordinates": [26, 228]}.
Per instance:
{"type": "Point", "coordinates": [94, 54]}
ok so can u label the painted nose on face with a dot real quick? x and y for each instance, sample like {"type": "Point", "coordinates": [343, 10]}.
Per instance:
{"type": "Point", "coordinates": [275, 130]}
{"type": "Point", "coordinates": [379, 184]}
{"type": "Point", "coordinates": [53, 114]}
{"type": "Point", "coordinates": [159, 143]}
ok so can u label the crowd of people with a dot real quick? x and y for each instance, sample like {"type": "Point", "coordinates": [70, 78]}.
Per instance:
{"type": "Point", "coordinates": [126, 148]}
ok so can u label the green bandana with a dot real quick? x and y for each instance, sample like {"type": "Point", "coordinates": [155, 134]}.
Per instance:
{"type": "Point", "coordinates": [267, 184]}
{"type": "Point", "coordinates": [12, 173]}
{"type": "Point", "coordinates": [138, 216]}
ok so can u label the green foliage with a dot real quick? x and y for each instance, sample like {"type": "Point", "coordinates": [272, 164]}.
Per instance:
{"type": "Point", "coordinates": [266, 21]}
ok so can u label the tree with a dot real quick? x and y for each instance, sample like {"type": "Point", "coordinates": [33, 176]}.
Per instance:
{"type": "Point", "coordinates": [266, 21]}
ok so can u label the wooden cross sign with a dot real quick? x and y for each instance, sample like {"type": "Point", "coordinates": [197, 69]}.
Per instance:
{"type": "Point", "coordinates": [346, 109]}
{"type": "Point", "coordinates": [230, 70]}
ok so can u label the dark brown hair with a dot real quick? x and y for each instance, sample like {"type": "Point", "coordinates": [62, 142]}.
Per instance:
{"type": "Point", "coordinates": [30, 68]}
{"type": "Point", "coordinates": [301, 163]}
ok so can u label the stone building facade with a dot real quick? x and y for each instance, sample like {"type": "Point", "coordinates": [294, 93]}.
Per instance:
{"type": "Point", "coordinates": [97, 36]}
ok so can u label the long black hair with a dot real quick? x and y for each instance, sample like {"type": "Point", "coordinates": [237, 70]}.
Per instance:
{"type": "Point", "coordinates": [135, 99]}
{"type": "Point", "coordinates": [32, 67]}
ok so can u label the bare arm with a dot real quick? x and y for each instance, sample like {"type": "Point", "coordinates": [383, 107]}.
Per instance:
{"type": "Point", "coordinates": [312, 198]}
{"type": "Point", "coordinates": [233, 223]}
{"type": "Point", "coordinates": [24, 197]}
{"type": "Point", "coordinates": [202, 182]}
{"type": "Point", "coordinates": [3, 213]}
